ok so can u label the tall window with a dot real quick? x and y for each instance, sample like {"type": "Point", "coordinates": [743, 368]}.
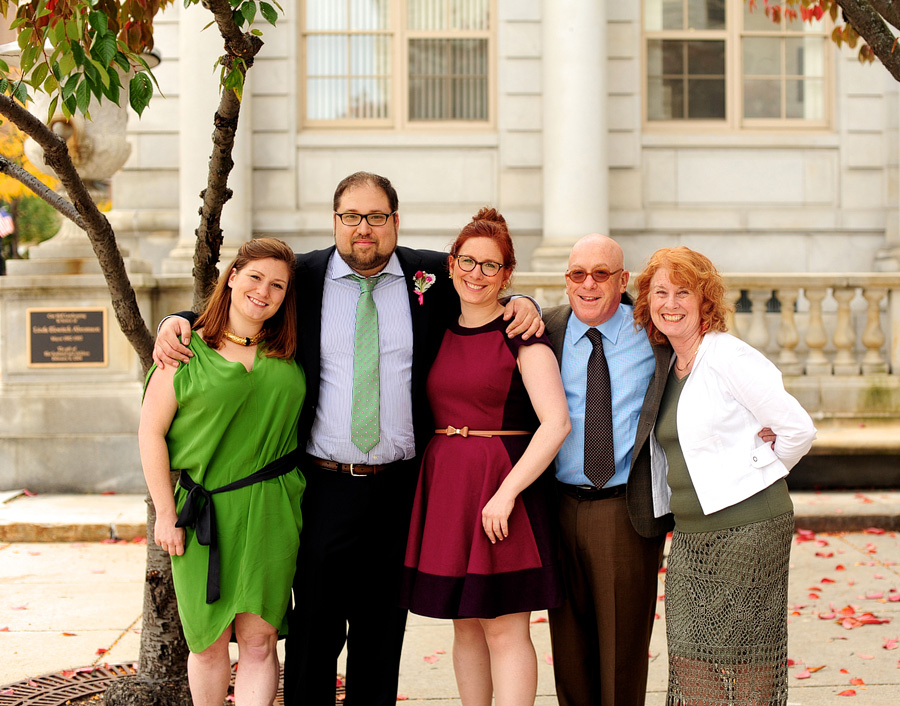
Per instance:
{"type": "Point", "coordinates": [716, 62]}
{"type": "Point", "coordinates": [392, 63]}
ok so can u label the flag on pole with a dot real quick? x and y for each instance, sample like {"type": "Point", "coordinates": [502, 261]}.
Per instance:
{"type": "Point", "coordinates": [7, 224]}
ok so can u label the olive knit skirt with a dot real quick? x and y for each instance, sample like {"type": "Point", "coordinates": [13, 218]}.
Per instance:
{"type": "Point", "coordinates": [726, 615]}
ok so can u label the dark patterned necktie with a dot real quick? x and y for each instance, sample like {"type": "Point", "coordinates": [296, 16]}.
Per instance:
{"type": "Point", "coordinates": [599, 452]}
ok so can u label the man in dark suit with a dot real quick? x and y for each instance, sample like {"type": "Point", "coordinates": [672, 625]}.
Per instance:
{"type": "Point", "coordinates": [612, 545]}
{"type": "Point", "coordinates": [358, 498]}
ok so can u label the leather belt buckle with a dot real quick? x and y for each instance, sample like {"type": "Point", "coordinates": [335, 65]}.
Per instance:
{"type": "Point", "coordinates": [354, 473]}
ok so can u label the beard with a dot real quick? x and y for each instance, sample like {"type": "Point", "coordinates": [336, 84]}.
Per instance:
{"type": "Point", "coordinates": [365, 261]}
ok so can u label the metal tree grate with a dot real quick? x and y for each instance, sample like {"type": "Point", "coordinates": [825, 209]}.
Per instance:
{"type": "Point", "coordinates": [60, 688]}
{"type": "Point", "coordinates": [57, 689]}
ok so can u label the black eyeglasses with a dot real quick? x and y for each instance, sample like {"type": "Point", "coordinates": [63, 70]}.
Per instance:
{"type": "Point", "coordinates": [373, 219]}
{"type": "Point", "coordinates": [488, 268]}
{"type": "Point", "coordinates": [600, 276]}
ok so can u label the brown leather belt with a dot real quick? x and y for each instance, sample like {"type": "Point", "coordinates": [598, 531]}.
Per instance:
{"type": "Point", "coordinates": [465, 431]}
{"type": "Point", "coordinates": [354, 469]}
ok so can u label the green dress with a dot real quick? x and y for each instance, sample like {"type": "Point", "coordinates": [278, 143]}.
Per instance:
{"type": "Point", "coordinates": [229, 424]}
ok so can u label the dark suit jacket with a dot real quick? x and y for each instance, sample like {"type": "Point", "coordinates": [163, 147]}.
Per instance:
{"type": "Point", "coordinates": [440, 305]}
{"type": "Point", "coordinates": [638, 491]}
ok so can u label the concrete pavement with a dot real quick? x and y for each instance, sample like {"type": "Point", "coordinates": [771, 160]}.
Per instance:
{"type": "Point", "coordinates": [69, 600]}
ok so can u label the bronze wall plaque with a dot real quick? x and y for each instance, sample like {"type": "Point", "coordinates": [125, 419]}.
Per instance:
{"type": "Point", "coordinates": [67, 338]}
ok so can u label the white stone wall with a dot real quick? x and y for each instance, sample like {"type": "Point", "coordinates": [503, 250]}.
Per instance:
{"type": "Point", "coordinates": [765, 201]}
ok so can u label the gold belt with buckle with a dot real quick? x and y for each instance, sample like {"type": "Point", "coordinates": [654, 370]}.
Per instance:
{"type": "Point", "coordinates": [465, 431]}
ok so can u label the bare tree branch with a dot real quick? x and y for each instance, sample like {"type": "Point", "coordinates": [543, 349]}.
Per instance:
{"type": "Point", "coordinates": [241, 48]}
{"type": "Point", "coordinates": [94, 223]}
{"type": "Point", "coordinates": [888, 9]}
{"type": "Point", "coordinates": [237, 43]}
{"type": "Point", "coordinates": [13, 170]}
{"type": "Point", "coordinates": [871, 26]}
{"type": "Point", "coordinates": [895, 6]}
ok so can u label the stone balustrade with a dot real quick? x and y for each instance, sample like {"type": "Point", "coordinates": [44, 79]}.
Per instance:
{"type": "Point", "coordinates": [835, 337]}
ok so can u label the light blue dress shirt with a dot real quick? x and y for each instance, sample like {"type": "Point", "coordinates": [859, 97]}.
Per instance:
{"type": "Point", "coordinates": [330, 435]}
{"type": "Point", "coordinates": [631, 365]}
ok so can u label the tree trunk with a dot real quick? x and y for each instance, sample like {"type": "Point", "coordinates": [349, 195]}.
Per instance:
{"type": "Point", "coordinates": [871, 26]}
{"type": "Point", "coordinates": [162, 671]}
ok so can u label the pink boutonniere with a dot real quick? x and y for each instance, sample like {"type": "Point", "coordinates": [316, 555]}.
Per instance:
{"type": "Point", "coordinates": [422, 281]}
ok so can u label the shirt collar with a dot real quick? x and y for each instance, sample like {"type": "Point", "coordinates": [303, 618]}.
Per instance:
{"type": "Point", "coordinates": [338, 269]}
{"type": "Point", "coordinates": [609, 328]}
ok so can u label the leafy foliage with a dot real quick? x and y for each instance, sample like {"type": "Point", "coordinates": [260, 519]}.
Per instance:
{"type": "Point", "coordinates": [12, 148]}
{"type": "Point", "coordinates": [844, 32]}
{"type": "Point", "coordinates": [36, 221]}
{"type": "Point", "coordinates": [75, 50]}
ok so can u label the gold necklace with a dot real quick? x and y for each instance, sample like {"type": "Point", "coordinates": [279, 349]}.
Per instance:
{"type": "Point", "coordinates": [244, 340]}
{"type": "Point", "coordinates": [690, 360]}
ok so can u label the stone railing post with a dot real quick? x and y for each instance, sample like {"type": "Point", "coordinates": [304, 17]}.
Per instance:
{"type": "Point", "coordinates": [758, 331]}
{"type": "Point", "coordinates": [873, 337]}
{"type": "Point", "coordinates": [816, 336]}
{"type": "Point", "coordinates": [893, 353]}
{"type": "Point", "coordinates": [844, 335]}
{"type": "Point", "coordinates": [732, 294]}
{"type": "Point", "coordinates": [788, 338]}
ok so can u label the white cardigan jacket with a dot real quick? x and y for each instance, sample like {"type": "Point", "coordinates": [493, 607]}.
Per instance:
{"type": "Point", "coordinates": [733, 391]}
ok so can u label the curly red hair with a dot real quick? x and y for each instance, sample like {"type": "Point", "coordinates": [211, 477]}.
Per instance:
{"type": "Point", "coordinates": [687, 268]}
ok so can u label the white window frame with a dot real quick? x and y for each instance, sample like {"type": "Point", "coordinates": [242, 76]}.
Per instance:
{"type": "Point", "coordinates": [734, 121]}
{"type": "Point", "coordinates": [399, 94]}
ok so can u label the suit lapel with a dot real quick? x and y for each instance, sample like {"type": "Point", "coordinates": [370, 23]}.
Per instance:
{"type": "Point", "coordinates": [655, 390]}
{"type": "Point", "coordinates": [557, 319]}
{"type": "Point", "coordinates": [410, 263]}
{"type": "Point", "coordinates": [311, 268]}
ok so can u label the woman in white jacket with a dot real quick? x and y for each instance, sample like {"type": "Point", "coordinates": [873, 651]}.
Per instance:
{"type": "Point", "coordinates": [726, 582]}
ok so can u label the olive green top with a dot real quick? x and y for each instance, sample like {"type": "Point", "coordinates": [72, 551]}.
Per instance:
{"type": "Point", "coordinates": [766, 504]}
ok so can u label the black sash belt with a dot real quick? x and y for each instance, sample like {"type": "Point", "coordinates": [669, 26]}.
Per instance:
{"type": "Point", "coordinates": [202, 515]}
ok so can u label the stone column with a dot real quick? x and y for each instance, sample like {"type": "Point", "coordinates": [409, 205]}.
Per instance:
{"type": "Point", "coordinates": [198, 99]}
{"type": "Point", "coordinates": [575, 164]}
{"type": "Point", "coordinates": [887, 259]}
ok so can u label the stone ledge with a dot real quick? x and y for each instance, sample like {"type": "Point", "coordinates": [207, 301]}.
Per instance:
{"type": "Point", "coordinates": [854, 437]}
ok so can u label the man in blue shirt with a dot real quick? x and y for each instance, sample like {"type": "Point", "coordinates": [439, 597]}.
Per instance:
{"type": "Point", "coordinates": [612, 545]}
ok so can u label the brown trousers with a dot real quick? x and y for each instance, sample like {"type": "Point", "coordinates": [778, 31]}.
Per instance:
{"type": "Point", "coordinates": [601, 635]}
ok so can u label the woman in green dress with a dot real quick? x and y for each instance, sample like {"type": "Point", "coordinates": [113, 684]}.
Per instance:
{"type": "Point", "coordinates": [228, 422]}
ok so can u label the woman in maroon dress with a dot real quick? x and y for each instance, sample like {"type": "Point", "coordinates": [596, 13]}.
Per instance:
{"type": "Point", "coordinates": [481, 548]}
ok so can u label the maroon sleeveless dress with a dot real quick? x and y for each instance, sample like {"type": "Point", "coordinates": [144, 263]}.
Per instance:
{"type": "Point", "coordinates": [451, 569]}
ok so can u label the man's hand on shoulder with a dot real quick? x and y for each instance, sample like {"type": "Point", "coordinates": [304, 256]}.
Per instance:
{"type": "Point", "coordinates": [526, 319]}
{"type": "Point", "coordinates": [172, 340]}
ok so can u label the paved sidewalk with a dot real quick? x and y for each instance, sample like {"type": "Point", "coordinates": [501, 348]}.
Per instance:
{"type": "Point", "coordinates": [72, 600]}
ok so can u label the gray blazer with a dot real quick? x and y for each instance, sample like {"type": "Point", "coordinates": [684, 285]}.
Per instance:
{"type": "Point", "coordinates": [638, 490]}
